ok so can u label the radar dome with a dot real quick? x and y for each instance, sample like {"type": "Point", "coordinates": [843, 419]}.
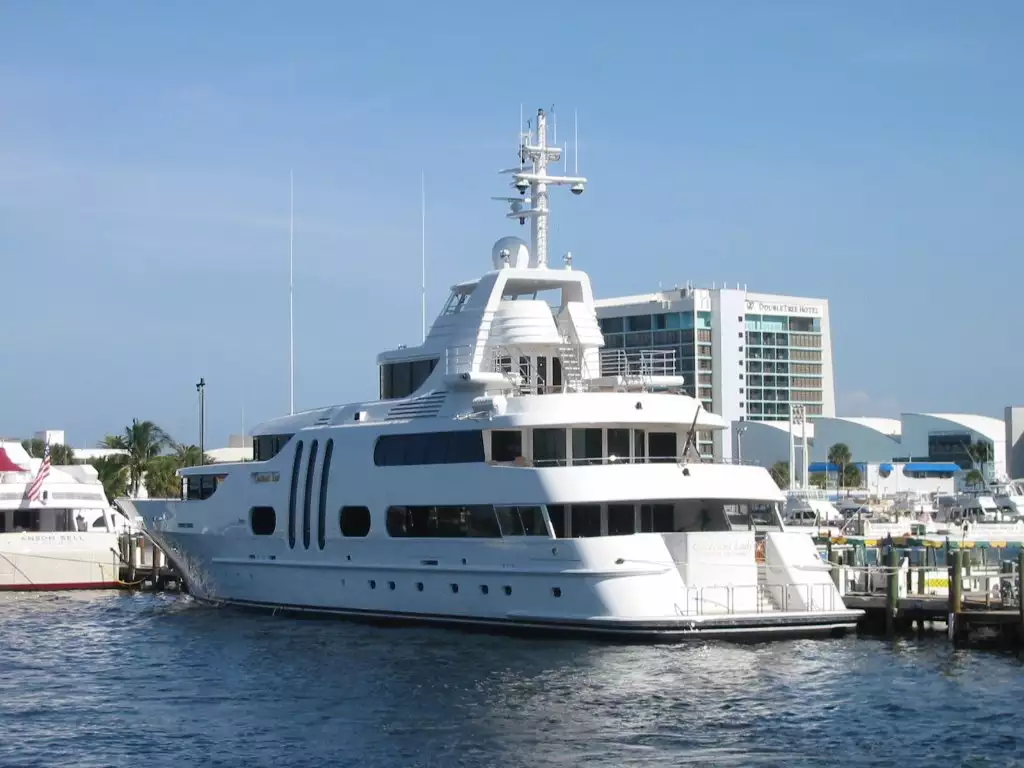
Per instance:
{"type": "Point", "coordinates": [516, 250]}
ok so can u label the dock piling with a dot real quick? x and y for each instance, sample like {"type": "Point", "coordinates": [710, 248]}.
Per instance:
{"type": "Point", "coordinates": [892, 592]}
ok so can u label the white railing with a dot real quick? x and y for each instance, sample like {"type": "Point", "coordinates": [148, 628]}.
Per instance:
{"type": "Point", "coordinates": [760, 598]}
{"type": "Point", "coordinates": [644, 362]}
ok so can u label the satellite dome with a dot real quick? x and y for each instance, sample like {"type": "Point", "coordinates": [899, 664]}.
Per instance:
{"type": "Point", "coordinates": [518, 253]}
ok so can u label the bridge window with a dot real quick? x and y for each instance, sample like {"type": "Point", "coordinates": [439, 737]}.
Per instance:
{"type": "Point", "coordinates": [549, 447]}
{"type": "Point", "coordinates": [458, 447]}
{"type": "Point", "coordinates": [402, 379]}
{"type": "Point", "coordinates": [506, 445]}
{"type": "Point", "coordinates": [355, 521]}
{"type": "Point", "coordinates": [521, 521]}
{"type": "Point", "coordinates": [586, 446]}
{"type": "Point", "coordinates": [199, 487]}
{"type": "Point", "coordinates": [662, 446]}
{"type": "Point", "coordinates": [453, 522]}
{"type": "Point", "coordinates": [263, 521]}
{"type": "Point", "coordinates": [266, 447]}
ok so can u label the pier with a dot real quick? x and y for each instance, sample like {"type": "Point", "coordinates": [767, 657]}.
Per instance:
{"type": "Point", "coordinates": [971, 618]}
{"type": "Point", "coordinates": [144, 567]}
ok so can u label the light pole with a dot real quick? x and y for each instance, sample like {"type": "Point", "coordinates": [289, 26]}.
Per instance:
{"type": "Point", "coordinates": [739, 442]}
{"type": "Point", "coordinates": [201, 389]}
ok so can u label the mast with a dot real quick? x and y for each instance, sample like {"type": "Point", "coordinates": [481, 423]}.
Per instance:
{"type": "Point", "coordinates": [423, 254]}
{"type": "Point", "coordinates": [291, 293]}
{"type": "Point", "coordinates": [536, 180]}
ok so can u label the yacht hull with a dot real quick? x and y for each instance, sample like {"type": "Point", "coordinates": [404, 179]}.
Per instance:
{"type": "Point", "coordinates": [623, 588]}
{"type": "Point", "coordinates": [58, 561]}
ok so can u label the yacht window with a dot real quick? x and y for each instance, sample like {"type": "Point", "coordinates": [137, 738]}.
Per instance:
{"type": "Point", "coordinates": [586, 520]}
{"type": "Point", "coordinates": [199, 487]}
{"type": "Point", "coordinates": [586, 446]}
{"type": "Point", "coordinates": [263, 521]}
{"type": "Point", "coordinates": [293, 493]}
{"type": "Point", "coordinates": [443, 522]}
{"type": "Point", "coordinates": [549, 447]}
{"type": "Point", "coordinates": [639, 446]}
{"type": "Point", "coordinates": [506, 445]}
{"type": "Point", "coordinates": [325, 476]}
{"type": "Point", "coordinates": [306, 498]}
{"type": "Point", "coordinates": [521, 521]}
{"type": "Point", "coordinates": [620, 519]}
{"type": "Point", "coordinates": [657, 518]}
{"type": "Point", "coordinates": [99, 522]}
{"type": "Point", "coordinates": [459, 447]}
{"type": "Point", "coordinates": [618, 445]}
{"type": "Point", "coordinates": [662, 445]}
{"type": "Point", "coordinates": [556, 513]}
{"type": "Point", "coordinates": [402, 379]}
{"type": "Point", "coordinates": [355, 521]}
{"type": "Point", "coordinates": [266, 447]}
{"type": "Point", "coordinates": [542, 374]}
{"type": "Point", "coordinates": [556, 372]}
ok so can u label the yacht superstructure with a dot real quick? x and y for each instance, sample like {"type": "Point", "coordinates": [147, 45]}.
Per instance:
{"type": "Point", "coordinates": [57, 530]}
{"type": "Point", "coordinates": [501, 480]}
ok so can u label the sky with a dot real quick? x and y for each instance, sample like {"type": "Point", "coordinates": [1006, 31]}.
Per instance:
{"type": "Point", "coordinates": [868, 153]}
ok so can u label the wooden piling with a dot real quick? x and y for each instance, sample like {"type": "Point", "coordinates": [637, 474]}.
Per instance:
{"type": "Point", "coordinates": [833, 563]}
{"type": "Point", "coordinates": [892, 592]}
{"type": "Point", "coordinates": [132, 558]}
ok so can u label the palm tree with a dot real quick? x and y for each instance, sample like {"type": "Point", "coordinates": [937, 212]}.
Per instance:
{"type": "Point", "coordinates": [780, 474]}
{"type": "Point", "coordinates": [162, 481]}
{"type": "Point", "coordinates": [980, 453]}
{"type": "Point", "coordinates": [839, 454]}
{"type": "Point", "coordinates": [112, 472]}
{"type": "Point", "coordinates": [144, 441]}
{"type": "Point", "coordinates": [60, 455]}
{"type": "Point", "coordinates": [189, 455]}
{"type": "Point", "coordinates": [974, 477]}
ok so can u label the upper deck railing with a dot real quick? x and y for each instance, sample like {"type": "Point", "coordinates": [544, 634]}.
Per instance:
{"type": "Point", "coordinates": [643, 362]}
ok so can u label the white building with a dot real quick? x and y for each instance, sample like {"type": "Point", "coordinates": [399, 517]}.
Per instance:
{"type": "Point", "coordinates": [920, 443]}
{"type": "Point", "coordinates": [747, 356]}
{"type": "Point", "coordinates": [1014, 418]}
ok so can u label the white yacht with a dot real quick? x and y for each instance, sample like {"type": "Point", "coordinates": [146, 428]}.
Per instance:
{"type": "Point", "coordinates": [65, 536]}
{"type": "Point", "coordinates": [510, 477]}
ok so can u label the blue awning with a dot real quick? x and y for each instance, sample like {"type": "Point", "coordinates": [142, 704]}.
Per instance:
{"type": "Point", "coordinates": [885, 467]}
{"type": "Point", "coordinates": [821, 466]}
{"type": "Point", "coordinates": [936, 466]}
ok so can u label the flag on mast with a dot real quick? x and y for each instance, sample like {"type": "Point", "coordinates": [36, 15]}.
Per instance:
{"type": "Point", "coordinates": [36, 489]}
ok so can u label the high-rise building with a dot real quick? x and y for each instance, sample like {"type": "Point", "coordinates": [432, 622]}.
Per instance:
{"type": "Point", "coordinates": [746, 356]}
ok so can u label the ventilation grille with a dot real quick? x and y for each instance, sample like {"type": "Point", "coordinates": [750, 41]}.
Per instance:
{"type": "Point", "coordinates": [424, 407]}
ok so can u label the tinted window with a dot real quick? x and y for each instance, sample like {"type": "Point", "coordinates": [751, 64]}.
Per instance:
{"type": "Point", "coordinates": [506, 444]}
{"type": "Point", "coordinates": [556, 512]}
{"type": "Point", "coordinates": [443, 522]}
{"type": "Point", "coordinates": [402, 379]}
{"type": "Point", "coordinates": [618, 444]}
{"type": "Point", "coordinates": [662, 446]}
{"type": "Point", "coordinates": [263, 520]}
{"type": "Point", "coordinates": [198, 487]}
{"type": "Point", "coordinates": [268, 446]}
{"type": "Point", "coordinates": [355, 521]}
{"type": "Point", "coordinates": [521, 521]}
{"type": "Point", "coordinates": [462, 447]}
{"type": "Point", "coordinates": [549, 447]}
{"type": "Point", "coordinates": [310, 471]}
{"type": "Point", "coordinates": [586, 520]}
{"type": "Point", "coordinates": [296, 464]}
{"type": "Point", "coordinates": [620, 519]}
{"type": "Point", "coordinates": [325, 477]}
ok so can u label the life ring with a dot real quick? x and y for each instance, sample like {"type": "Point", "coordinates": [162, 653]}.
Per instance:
{"type": "Point", "coordinates": [759, 554]}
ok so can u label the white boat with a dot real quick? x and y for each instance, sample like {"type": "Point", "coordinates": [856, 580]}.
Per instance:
{"type": "Point", "coordinates": [65, 539]}
{"type": "Point", "coordinates": [502, 481]}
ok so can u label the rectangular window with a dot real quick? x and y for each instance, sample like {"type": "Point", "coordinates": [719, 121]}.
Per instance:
{"type": "Point", "coordinates": [663, 446]}
{"type": "Point", "coordinates": [586, 520]}
{"type": "Point", "coordinates": [620, 520]}
{"type": "Point", "coordinates": [293, 493]}
{"type": "Point", "coordinates": [506, 445]}
{"type": "Point", "coordinates": [310, 471]}
{"type": "Point", "coordinates": [549, 446]}
{"type": "Point", "coordinates": [521, 521]}
{"type": "Point", "coordinates": [449, 522]}
{"type": "Point", "coordinates": [456, 447]}
{"type": "Point", "coordinates": [556, 513]}
{"type": "Point", "coordinates": [639, 446]}
{"type": "Point", "coordinates": [586, 446]}
{"type": "Point", "coordinates": [325, 477]}
{"type": "Point", "coordinates": [657, 518]}
{"type": "Point", "coordinates": [618, 445]}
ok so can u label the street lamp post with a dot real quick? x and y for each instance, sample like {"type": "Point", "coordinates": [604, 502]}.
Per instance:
{"type": "Point", "coordinates": [739, 442]}
{"type": "Point", "coordinates": [201, 389]}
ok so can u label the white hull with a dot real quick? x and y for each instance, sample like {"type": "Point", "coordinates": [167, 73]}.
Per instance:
{"type": "Point", "coordinates": [617, 586]}
{"type": "Point", "coordinates": [56, 561]}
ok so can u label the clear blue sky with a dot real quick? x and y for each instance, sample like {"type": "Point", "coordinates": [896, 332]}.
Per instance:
{"type": "Point", "coordinates": [870, 153]}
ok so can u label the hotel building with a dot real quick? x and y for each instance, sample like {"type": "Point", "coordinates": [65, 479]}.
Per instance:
{"type": "Point", "coordinates": [746, 356]}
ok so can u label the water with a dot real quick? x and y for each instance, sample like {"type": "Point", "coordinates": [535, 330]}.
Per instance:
{"type": "Point", "coordinates": [103, 679]}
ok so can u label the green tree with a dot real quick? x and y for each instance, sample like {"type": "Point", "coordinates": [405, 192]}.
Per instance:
{"type": "Point", "coordinates": [144, 441]}
{"type": "Point", "coordinates": [780, 474]}
{"type": "Point", "coordinates": [162, 481]}
{"type": "Point", "coordinates": [839, 454]}
{"type": "Point", "coordinates": [974, 477]}
{"type": "Point", "coordinates": [113, 473]}
{"type": "Point", "coordinates": [851, 476]}
{"type": "Point", "coordinates": [818, 480]}
{"type": "Point", "coordinates": [981, 453]}
{"type": "Point", "coordinates": [60, 455]}
{"type": "Point", "coordinates": [190, 455]}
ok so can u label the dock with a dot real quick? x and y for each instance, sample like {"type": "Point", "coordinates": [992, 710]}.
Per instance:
{"type": "Point", "coordinates": [971, 619]}
{"type": "Point", "coordinates": [144, 567]}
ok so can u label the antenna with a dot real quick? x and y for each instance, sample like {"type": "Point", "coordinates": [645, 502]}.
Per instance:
{"type": "Point", "coordinates": [423, 254]}
{"type": "Point", "coordinates": [291, 292]}
{"type": "Point", "coordinates": [576, 139]}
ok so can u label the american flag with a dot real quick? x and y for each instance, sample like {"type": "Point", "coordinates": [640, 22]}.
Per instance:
{"type": "Point", "coordinates": [36, 488]}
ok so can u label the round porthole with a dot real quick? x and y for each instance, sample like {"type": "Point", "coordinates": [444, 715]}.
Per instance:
{"type": "Point", "coordinates": [508, 590]}
{"type": "Point", "coordinates": [373, 584]}
{"type": "Point", "coordinates": [556, 591]}
{"type": "Point", "coordinates": [455, 588]}
{"type": "Point", "coordinates": [419, 586]}
{"type": "Point", "coordinates": [484, 589]}
{"type": "Point", "coordinates": [391, 585]}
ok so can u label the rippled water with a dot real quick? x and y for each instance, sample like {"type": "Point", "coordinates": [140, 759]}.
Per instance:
{"type": "Point", "coordinates": [97, 679]}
